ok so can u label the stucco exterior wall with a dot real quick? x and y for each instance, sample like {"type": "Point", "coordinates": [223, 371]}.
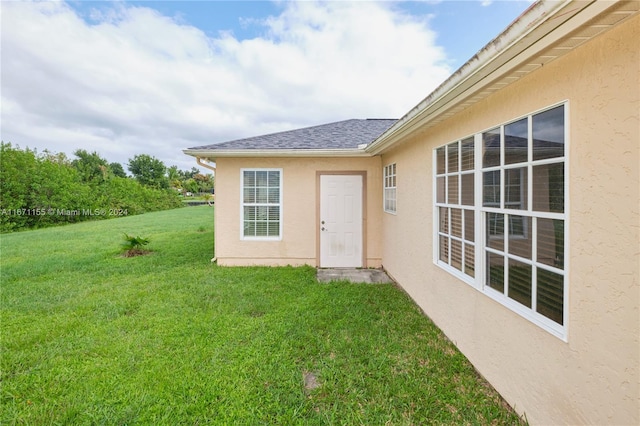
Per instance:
{"type": "Point", "coordinates": [299, 212]}
{"type": "Point", "coordinates": [593, 377]}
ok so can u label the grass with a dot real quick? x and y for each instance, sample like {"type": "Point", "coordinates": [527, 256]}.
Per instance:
{"type": "Point", "coordinates": [91, 337]}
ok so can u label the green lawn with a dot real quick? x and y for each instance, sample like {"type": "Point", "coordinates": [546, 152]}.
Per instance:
{"type": "Point", "coordinates": [90, 337]}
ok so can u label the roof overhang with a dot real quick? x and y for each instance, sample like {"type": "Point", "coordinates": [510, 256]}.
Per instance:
{"type": "Point", "coordinates": [212, 154]}
{"type": "Point", "coordinates": [544, 32]}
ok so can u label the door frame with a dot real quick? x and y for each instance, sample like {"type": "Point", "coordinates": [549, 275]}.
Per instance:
{"type": "Point", "coordinates": [363, 175]}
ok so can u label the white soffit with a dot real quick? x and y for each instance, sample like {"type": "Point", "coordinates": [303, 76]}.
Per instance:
{"type": "Point", "coordinates": [544, 32]}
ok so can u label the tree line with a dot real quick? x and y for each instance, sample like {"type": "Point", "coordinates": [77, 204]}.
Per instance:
{"type": "Point", "coordinates": [44, 189]}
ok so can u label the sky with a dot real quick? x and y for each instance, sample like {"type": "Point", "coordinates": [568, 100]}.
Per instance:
{"type": "Point", "coordinates": [155, 77]}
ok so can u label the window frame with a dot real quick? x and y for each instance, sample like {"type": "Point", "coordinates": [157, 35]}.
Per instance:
{"type": "Point", "coordinates": [530, 218]}
{"type": "Point", "coordinates": [390, 188]}
{"type": "Point", "coordinates": [459, 205]}
{"type": "Point", "coordinates": [244, 204]}
{"type": "Point", "coordinates": [523, 196]}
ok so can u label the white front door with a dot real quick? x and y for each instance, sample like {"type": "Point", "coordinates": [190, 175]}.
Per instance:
{"type": "Point", "coordinates": [340, 221]}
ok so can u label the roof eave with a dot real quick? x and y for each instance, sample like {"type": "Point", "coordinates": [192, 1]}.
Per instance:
{"type": "Point", "coordinates": [543, 24]}
{"type": "Point", "coordinates": [275, 153]}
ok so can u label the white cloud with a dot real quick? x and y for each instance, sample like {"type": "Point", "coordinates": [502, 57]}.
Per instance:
{"type": "Point", "coordinates": [133, 81]}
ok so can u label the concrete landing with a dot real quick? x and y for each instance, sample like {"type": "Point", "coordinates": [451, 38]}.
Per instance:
{"type": "Point", "coordinates": [366, 276]}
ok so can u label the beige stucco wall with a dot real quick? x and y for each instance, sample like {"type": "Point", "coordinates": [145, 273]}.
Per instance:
{"type": "Point", "coordinates": [300, 210]}
{"type": "Point", "coordinates": [593, 378]}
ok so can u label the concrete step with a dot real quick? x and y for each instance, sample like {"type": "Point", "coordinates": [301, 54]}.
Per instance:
{"type": "Point", "coordinates": [354, 275]}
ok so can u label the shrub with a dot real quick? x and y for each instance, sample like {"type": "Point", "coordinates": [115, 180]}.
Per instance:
{"type": "Point", "coordinates": [133, 245]}
{"type": "Point", "coordinates": [39, 190]}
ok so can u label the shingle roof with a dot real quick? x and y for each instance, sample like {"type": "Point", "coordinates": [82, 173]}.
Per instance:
{"type": "Point", "coordinates": [339, 135]}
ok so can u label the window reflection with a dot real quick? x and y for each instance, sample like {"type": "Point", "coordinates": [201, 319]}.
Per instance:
{"type": "Point", "coordinates": [491, 189]}
{"type": "Point", "coordinates": [515, 188]}
{"type": "Point", "coordinates": [491, 148]}
{"type": "Point", "coordinates": [516, 142]}
{"type": "Point", "coordinates": [548, 134]}
{"type": "Point", "coordinates": [548, 188]}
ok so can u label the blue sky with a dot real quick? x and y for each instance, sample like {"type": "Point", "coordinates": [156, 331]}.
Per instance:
{"type": "Point", "coordinates": [130, 77]}
{"type": "Point", "coordinates": [463, 27]}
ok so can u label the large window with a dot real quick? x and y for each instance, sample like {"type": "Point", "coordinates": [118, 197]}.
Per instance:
{"type": "Point", "coordinates": [500, 208]}
{"type": "Point", "coordinates": [261, 203]}
{"type": "Point", "coordinates": [390, 188]}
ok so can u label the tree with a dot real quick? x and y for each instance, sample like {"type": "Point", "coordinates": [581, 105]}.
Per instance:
{"type": "Point", "coordinates": [191, 185]}
{"type": "Point", "coordinates": [149, 171]}
{"type": "Point", "coordinates": [188, 174]}
{"type": "Point", "coordinates": [174, 176]}
{"type": "Point", "coordinates": [90, 166]}
{"type": "Point", "coordinates": [117, 170]}
{"type": "Point", "coordinates": [173, 173]}
{"type": "Point", "coordinates": [16, 172]}
{"type": "Point", "coordinates": [205, 182]}
{"type": "Point", "coordinates": [39, 190]}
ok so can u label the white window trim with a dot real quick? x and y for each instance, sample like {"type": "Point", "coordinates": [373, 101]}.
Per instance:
{"type": "Point", "coordinates": [436, 223]}
{"type": "Point", "coordinates": [386, 175]}
{"type": "Point", "coordinates": [242, 205]}
{"type": "Point", "coordinates": [478, 282]}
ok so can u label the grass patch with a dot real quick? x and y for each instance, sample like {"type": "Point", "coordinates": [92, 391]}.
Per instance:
{"type": "Point", "coordinates": [90, 337]}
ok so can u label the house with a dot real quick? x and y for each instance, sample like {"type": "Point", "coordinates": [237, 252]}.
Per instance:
{"type": "Point", "coordinates": [506, 204]}
{"type": "Point", "coordinates": [271, 191]}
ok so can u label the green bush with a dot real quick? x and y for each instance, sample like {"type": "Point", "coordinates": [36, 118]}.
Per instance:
{"type": "Point", "coordinates": [16, 169]}
{"type": "Point", "coordinates": [125, 194]}
{"type": "Point", "coordinates": [40, 190]}
{"type": "Point", "coordinates": [133, 245]}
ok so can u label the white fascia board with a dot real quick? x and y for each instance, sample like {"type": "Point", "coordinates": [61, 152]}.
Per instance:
{"type": "Point", "coordinates": [540, 26]}
{"type": "Point", "coordinates": [262, 153]}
